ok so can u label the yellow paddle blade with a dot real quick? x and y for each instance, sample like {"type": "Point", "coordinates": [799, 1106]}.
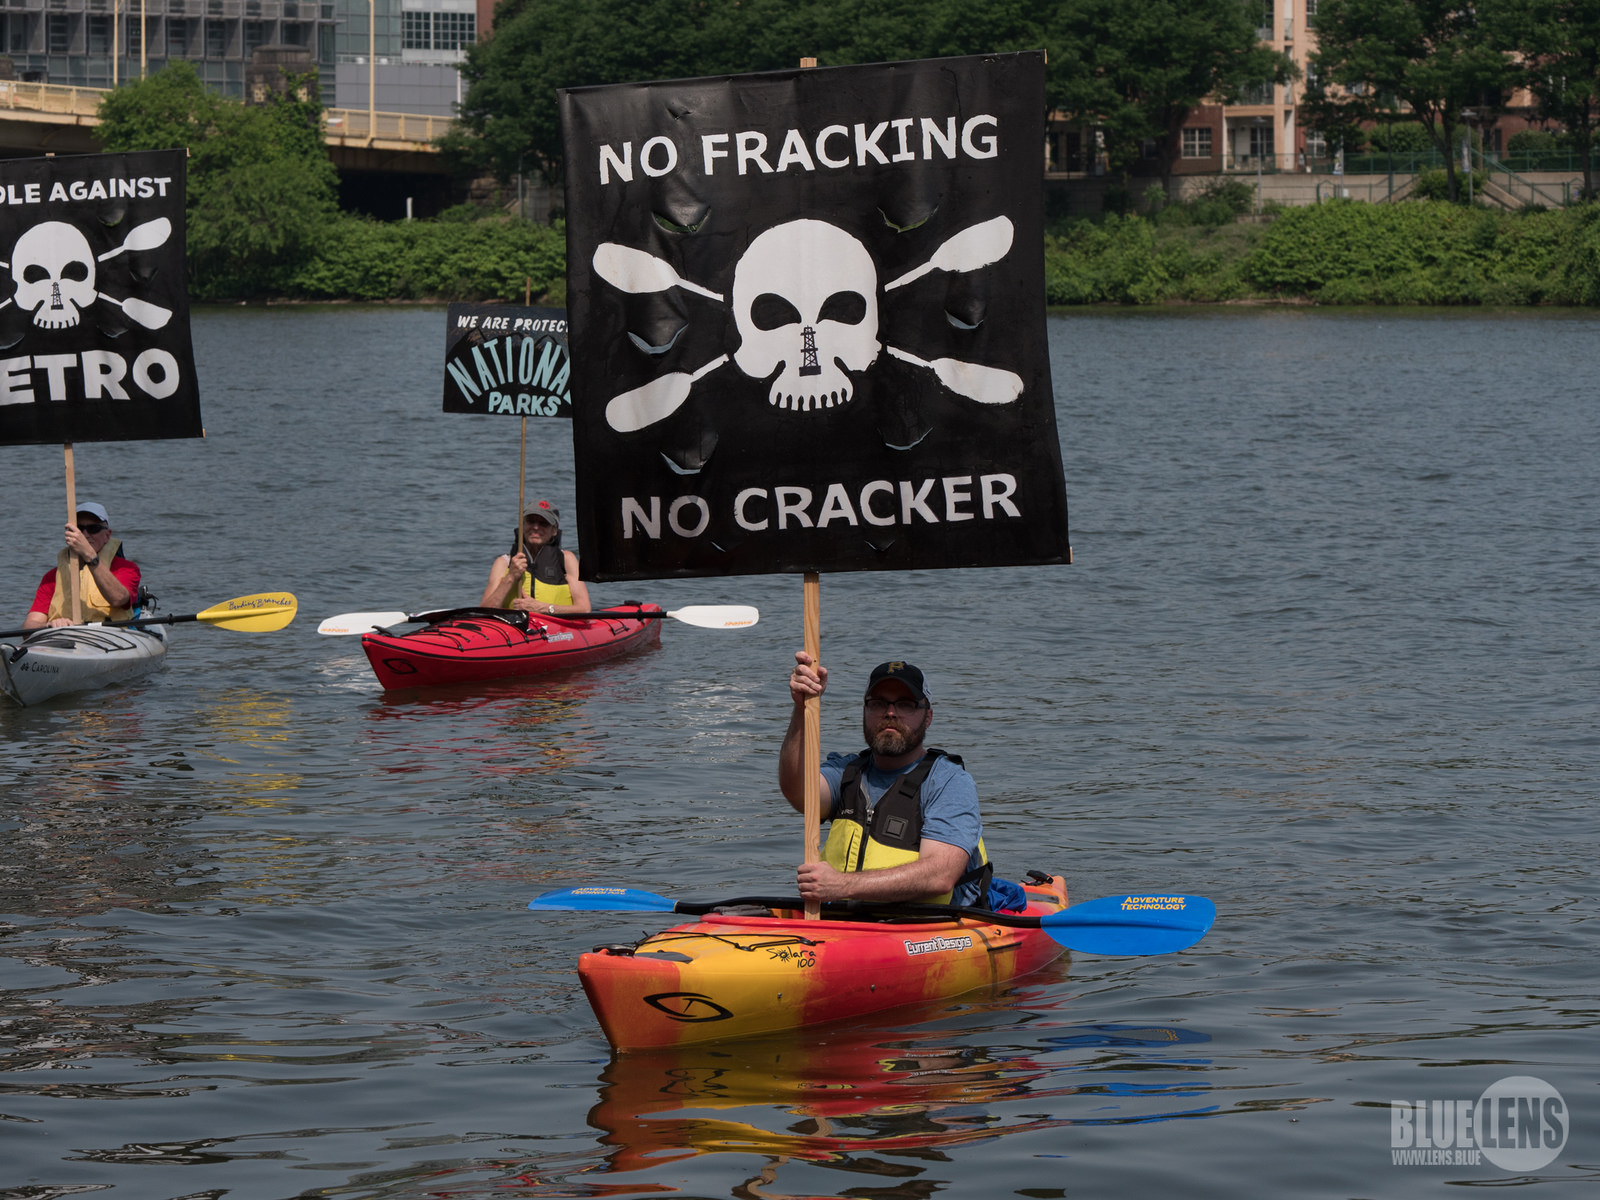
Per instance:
{"type": "Point", "coordinates": [252, 614]}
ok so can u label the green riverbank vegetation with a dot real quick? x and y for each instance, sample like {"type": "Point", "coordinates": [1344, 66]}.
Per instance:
{"type": "Point", "coordinates": [1340, 252]}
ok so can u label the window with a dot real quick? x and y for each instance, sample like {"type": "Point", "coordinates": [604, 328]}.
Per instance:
{"type": "Point", "coordinates": [99, 35]}
{"type": "Point", "coordinates": [454, 30]}
{"type": "Point", "coordinates": [177, 37]}
{"type": "Point", "coordinates": [1197, 143]}
{"type": "Point", "coordinates": [216, 39]}
{"type": "Point", "coordinates": [254, 35]}
{"type": "Point", "coordinates": [58, 33]}
{"type": "Point", "coordinates": [17, 33]}
{"type": "Point", "coordinates": [130, 29]}
{"type": "Point", "coordinates": [416, 33]}
{"type": "Point", "coordinates": [1311, 8]}
{"type": "Point", "coordinates": [1316, 144]}
{"type": "Point", "coordinates": [425, 30]}
{"type": "Point", "coordinates": [1260, 93]}
{"type": "Point", "coordinates": [1261, 141]}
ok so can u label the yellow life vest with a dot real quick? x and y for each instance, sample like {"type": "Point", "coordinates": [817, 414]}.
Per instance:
{"type": "Point", "coordinates": [867, 837]}
{"type": "Point", "coordinates": [544, 593]}
{"type": "Point", "coordinates": [551, 563]}
{"type": "Point", "coordinates": [92, 602]}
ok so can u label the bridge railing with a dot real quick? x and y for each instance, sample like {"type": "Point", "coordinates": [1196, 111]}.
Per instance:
{"type": "Point", "coordinates": [348, 124]}
{"type": "Point", "coordinates": [51, 98]}
{"type": "Point", "coordinates": [357, 124]}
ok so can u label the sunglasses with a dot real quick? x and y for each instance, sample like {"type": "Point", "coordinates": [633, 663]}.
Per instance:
{"type": "Point", "coordinates": [90, 529]}
{"type": "Point", "coordinates": [879, 707]}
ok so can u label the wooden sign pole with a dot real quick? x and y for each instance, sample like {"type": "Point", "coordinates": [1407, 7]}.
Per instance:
{"type": "Point", "coordinates": [811, 744]}
{"type": "Point", "coordinates": [522, 458]}
{"type": "Point", "coordinates": [72, 519]}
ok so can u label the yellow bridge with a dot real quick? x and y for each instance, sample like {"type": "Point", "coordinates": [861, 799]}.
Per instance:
{"type": "Point", "coordinates": [54, 117]}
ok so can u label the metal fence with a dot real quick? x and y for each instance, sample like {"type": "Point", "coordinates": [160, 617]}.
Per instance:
{"type": "Point", "coordinates": [353, 124]}
{"type": "Point", "coordinates": [50, 98]}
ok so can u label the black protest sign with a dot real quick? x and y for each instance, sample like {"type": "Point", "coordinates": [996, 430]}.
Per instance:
{"type": "Point", "coordinates": [95, 321]}
{"type": "Point", "coordinates": [507, 361]}
{"type": "Point", "coordinates": [808, 321]}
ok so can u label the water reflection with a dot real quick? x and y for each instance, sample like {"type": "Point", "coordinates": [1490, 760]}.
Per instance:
{"type": "Point", "coordinates": [885, 1101]}
{"type": "Point", "coordinates": [539, 726]}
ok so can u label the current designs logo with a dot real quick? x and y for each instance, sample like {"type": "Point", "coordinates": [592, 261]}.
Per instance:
{"type": "Point", "coordinates": [935, 944]}
{"type": "Point", "coordinates": [1519, 1123]}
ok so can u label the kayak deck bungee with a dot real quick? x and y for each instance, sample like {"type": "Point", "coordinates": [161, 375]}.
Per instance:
{"type": "Point", "coordinates": [738, 973]}
{"type": "Point", "coordinates": [75, 658]}
{"type": "Point", "coordinates": [475, 645]}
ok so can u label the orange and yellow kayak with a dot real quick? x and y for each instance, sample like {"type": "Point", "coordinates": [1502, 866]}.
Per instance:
{"type": "Point", "coordinates": [733, 974]}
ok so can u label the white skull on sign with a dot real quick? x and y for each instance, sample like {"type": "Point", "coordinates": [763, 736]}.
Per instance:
{"type": "Point", "coordinates": [53, 269]}
{"type": "Point", "coordinates": [805, 297]}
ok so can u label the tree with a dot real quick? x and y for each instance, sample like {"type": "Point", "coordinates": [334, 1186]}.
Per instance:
{"type": "Point", "coordinates": [1136, 70]}
{"type": "Point", "coordinates": [260, 185]}
{"type": "Point", "coordinates": [510, 123]}
{"type": "Point", "coordinates": [1434, 57]}
{"type": "Point", "coordinates": [1558, 45]}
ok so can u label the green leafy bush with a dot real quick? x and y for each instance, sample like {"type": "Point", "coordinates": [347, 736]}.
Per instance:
{"type": "Point", "coordinates": [494, 259]}
{"type": "Point", "coordinates": [1404, 137]}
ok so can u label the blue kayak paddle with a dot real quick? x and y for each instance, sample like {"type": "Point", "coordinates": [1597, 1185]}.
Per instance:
{"type": "Point", "coordinates": [1112, 925]}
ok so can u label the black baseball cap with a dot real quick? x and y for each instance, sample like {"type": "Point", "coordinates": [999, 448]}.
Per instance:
{"type": "Point", "coordinates": [545, 511]}
{"type": "Point", "coordinates": [904, 672]}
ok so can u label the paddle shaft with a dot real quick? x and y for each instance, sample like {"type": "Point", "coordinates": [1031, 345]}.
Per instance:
{"type": "Point", "coordinates": [127, 622]}
{"type": "Point", "coordinates": [852, 908]}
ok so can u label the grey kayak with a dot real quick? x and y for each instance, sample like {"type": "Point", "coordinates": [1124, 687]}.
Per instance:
{"type": "Point", "coordinates": [75, 658]}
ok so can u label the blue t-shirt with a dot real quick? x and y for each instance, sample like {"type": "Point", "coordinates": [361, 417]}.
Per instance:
{"type": "Point", "coordinates": [949, 806]}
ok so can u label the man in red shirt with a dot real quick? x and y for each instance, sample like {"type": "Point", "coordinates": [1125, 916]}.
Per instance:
{"type": "Point", "coordinates": [108, 584]}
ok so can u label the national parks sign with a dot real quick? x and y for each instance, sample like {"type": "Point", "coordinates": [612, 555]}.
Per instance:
{"type": "Point", "coordinates": [94, 320]}
{"type": "Point", "coordinates": [506, 361]}
{"type": "Point", "coordinates": [808, 321]}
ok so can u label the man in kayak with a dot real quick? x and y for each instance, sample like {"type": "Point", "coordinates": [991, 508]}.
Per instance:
{"type": "Point", "coordinates": [108, 584]}
{"type": "Point", "coordinates": [905, 822]}
{"type": "Point", "coordinates": [541, 577]}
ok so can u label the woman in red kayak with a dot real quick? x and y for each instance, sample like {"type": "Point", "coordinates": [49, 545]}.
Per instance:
{"type": "Point", "coordinates": [541, 577]}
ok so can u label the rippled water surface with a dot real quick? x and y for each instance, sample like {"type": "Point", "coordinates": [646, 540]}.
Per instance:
{"type": "Point", "coordinates": [1327, 656]}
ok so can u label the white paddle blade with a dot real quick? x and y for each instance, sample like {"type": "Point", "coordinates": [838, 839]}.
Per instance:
{"type": "Point", "coordinates": [986, 385]}
{"type": "Point", "coordinates": [151, 316]}
{"type": "Point", "coordinates": [654, 401]}
{"type": "Point", "coordinates": [633, 271]}
{"type": "Point", "coordinates": [971, 249]}
{"type": "Point", "coordinates": [347, 624]}
{"type": "Point", "coordinates": [985, 243]}
{"type": "Point", "coordinates": [149, 235]}
{"type": "Point", "coordinates": [638, 271]}
{"type": "Point", "coordinates": [143, 237]}
{"type": "Point", "coordinates": [717, 616]}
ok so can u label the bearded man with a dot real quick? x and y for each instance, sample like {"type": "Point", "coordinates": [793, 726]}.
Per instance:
{"type": "Point", "coordinates": [905, 823]}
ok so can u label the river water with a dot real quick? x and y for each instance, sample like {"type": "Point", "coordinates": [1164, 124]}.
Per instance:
{"type": "Point", "coordinates": [1327, 656]}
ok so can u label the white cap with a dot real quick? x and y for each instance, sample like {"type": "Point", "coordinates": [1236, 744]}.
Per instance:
{"type": "Point", "coordinates": [99, 510]}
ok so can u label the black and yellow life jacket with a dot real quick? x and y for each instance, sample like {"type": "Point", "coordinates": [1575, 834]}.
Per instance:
{"type": "Point", "coordinates": [866, 837]}
{"type": "Point", "coordinates": [545, 579]}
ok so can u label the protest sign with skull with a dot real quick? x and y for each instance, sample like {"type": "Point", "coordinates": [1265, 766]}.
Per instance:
{"type": "Point", "coordinates": [807, 321]}
{"type": "Point", "coordinates": [95, 327]}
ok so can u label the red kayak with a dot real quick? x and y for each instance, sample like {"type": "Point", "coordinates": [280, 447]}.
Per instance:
{"type": "Point", "coordinates": [471, 645]}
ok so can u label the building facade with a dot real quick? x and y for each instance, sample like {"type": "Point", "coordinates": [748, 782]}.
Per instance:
{"type": "Point", "coordinates": [102, 43]}
{"type": "Point", "coordinates": [409, 64]}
